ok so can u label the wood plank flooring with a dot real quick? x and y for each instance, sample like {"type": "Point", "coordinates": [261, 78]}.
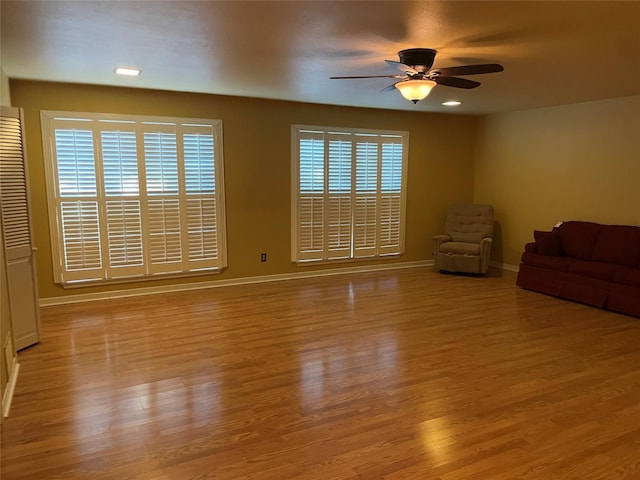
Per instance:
{"type": "Point", "coordinates": [403, 374]}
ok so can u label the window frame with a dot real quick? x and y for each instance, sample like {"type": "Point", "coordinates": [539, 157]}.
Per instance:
{"type": "Point", "coordinates": [328, 135]}
{"type": "Point", "coordinates": [182, 129]}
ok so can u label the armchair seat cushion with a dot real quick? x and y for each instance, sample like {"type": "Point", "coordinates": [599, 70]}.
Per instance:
{"type": "Point", "coordinates": [460, 248]}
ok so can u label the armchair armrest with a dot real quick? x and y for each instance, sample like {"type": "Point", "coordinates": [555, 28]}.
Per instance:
{"type": "Point", "coordinates": [439, 240]}
{"type": "Point", "coordinates": [531, 247]}
{"type": "Point", "coordinates": [485, 253]}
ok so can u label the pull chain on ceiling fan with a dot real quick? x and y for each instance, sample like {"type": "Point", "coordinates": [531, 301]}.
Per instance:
{"type": "Point", "coordinates": [419, 78]}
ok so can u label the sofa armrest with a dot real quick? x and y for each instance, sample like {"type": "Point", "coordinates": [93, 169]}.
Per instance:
{"type": "Point", "coordinates": [531, 247]}
{"type": "Point", "coordinates": [439, 240]}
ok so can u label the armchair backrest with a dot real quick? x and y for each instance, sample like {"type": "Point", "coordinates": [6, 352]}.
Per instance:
{"type": "Point", "coordinates": [469, 223]}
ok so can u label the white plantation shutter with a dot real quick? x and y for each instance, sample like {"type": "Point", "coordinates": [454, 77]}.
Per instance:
{"type": "Point", "coordinates": [76, 202]}
{"type": "Point", "coordinates": [19, 281]}
{"type": "Point", "coordinates": [365, 229]}
{"type": "Point", "coordinates": [134, 196]}
{"type": "Point", "coordinates": [310, 221]}
{"type": "Point", "coordinates": [13, 187]}
{"type": "Point", "coordinates": [123, 212]}
{"type": "Point", "coordinates": [165, 244]}
{"type": "Point", "coordinates": [124, 233]}
{"type": "Point", "coordinates": [202, 231]}
{"type": "Point", "coordinates": [120, 163]}
{"type": "Point", "coordinates": [391, 174]}
{"type": "Point", "coordinates": [366, 166]}
{"type": "Point", "coordinates": [161, 168]}
{"type": "Point", "coordinates": [339, 200]}
{"type": "Point", "coordinates": [311, 153]}
{"type": "Point", "coordinates": [80, 240]}
{"type": "Point", "coordinates": [339, 212]}
{"type": "Point", "coordinates": [202, 244]}
{"type": "Point", "coordinates": [199, 163]}
{"type": "Point", "coordinates": [76, 163]}
{"type": "Point", "coordinates": [311, 227]}
{"type": "Point", "coordinates": [365, 226]}
{"type": "Point", "coordinates": [389, 224]}
{"type": "Point", "coordinates": [348, 193]}
{"type": "Point", "coordinates": [161, 163]}
{"type": "Point", "coordinates": [391, 212]}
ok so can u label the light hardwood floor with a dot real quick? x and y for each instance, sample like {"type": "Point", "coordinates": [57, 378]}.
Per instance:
{"type": "Point", "coordinates": [404, 374]}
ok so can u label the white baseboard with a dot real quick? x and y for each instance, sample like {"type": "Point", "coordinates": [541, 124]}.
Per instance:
{"type": "Point", "coordinates": [7, 398]}
{"type": "Point", "coordinates": [88, 297]}
{"type": "Point", "coordinates": [505, 266]}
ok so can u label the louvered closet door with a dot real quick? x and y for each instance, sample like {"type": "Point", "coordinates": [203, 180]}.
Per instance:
{"type": "Point", "coordinates": [19, 251]}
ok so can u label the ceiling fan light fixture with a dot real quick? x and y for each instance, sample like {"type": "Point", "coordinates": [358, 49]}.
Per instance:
{"type": "Point", "coordinates": [415, 90]}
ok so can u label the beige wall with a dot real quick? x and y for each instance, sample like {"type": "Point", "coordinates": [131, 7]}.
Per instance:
{"type": "Point", "coordinates": [573, 162]}
{"type": "Point", "coordinates": [536, 167]}
{"type": "Point", "coordinates": [257, 166]}
{"type": "Point", "coordinates": [5, 91]}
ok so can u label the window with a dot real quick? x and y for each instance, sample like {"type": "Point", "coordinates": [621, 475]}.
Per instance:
{"type": "Point", "coordinates": [133, 196]}
{"type": "Point", "coordinates": [349, 193]}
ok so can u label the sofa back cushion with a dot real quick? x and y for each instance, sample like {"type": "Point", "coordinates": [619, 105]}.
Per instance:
{"type": "Point", "coordinates": [579, 238]}
{"type": "Point", "coordinates": [618, 244]}
{"type": "Point", "coordinates": [548, 243]}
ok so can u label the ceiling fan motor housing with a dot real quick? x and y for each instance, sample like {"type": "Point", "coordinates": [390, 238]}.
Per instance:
{"type": "Point", "coordinates": [419, 58]}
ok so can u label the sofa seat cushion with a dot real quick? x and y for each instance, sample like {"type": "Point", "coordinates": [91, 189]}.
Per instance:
{"type": "Point", "coordinates": [599, 270]}
{"type": "Point", "coordinates": [579, 238]}
{"type": "Point", "coordinates": [549, 262]}
{"type": "Point", "coordinates": [627, 276]}
{"type": "Point", "coordinates": [460, 248]}
{"type": "Point", "coordinates": [618, 244]}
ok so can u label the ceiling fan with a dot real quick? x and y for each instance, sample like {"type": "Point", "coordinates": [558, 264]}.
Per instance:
{"type": "Point", "coordinates": [419, 78]}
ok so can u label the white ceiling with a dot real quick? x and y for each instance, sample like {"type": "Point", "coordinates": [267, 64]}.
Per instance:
{"type": "Point", "coordinates": [554, 53]}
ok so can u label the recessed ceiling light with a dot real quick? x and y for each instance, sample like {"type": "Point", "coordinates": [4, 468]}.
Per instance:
{"type": "Point", "coordinates": [131, 72]}
{"type": "Point", "coordinates": [451, 103]}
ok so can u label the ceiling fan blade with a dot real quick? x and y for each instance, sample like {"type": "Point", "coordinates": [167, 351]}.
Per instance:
{"type": "Point", "coordinates": [401, 66]}
{"type": "Point", "coordinates": [388, 88]}
{"type": "Point", "coordinates": [368, 76]}
{"type": "Point", "coordinates": [470, 69]}
{"type": "Point", "coordinates": [456, 82]}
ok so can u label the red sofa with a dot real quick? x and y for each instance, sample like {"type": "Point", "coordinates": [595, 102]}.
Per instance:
{"type": "Point", "coordinates": [586, 262]}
